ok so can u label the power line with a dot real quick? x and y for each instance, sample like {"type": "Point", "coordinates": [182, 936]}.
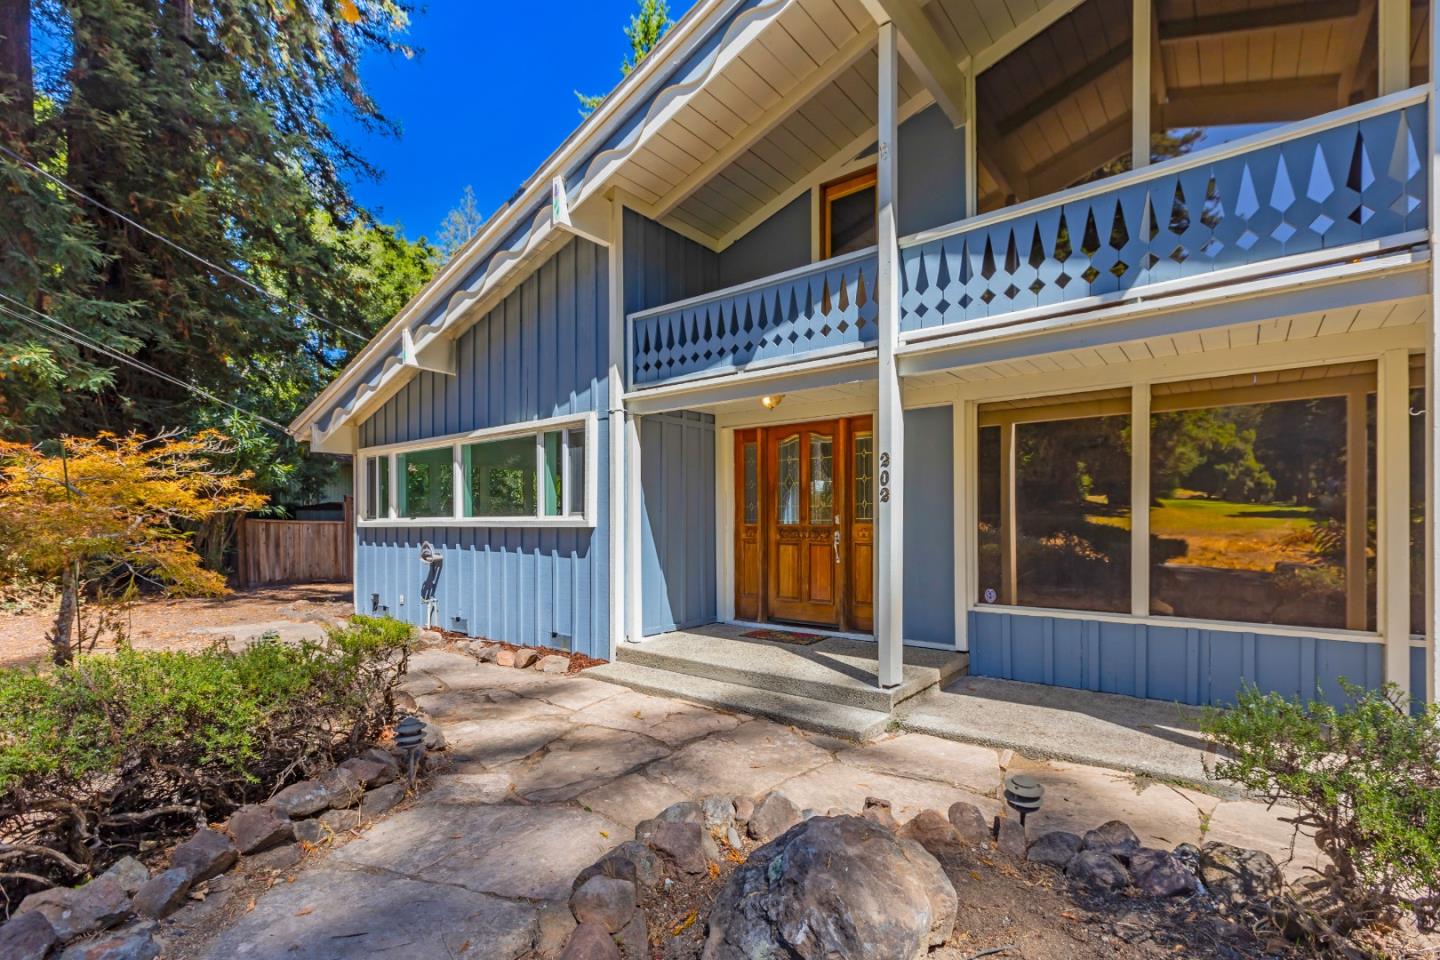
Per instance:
{"type": "Point", "coordinates": [275, 298]}
{"type": "Point", "coordinates": [75, 336]}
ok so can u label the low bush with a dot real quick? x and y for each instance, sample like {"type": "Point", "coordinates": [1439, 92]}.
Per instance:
{"type": "Point", "coordinates": [108, 754]}
{"type": "Point", "coordinates": [1365, 783]}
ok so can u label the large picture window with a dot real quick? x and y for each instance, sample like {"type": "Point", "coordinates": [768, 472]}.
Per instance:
{"type": "Point", "coordinates": [539, 476]}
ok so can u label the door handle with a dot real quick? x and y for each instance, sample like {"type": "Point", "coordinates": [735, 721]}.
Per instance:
{"type": "Point", "coordinates": [835, 542]}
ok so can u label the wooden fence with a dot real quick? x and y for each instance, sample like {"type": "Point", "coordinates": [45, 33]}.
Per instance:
{"type": "Point", "coordinates": [295, 551]}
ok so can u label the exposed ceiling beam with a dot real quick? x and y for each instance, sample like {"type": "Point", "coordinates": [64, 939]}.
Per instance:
{"type": "Point", "coordinates": [819, 78]}
{"type": "Point", "coordinates": [1024, 31]}
{"type": "Point", "coordinates": [997, 156]}
{"type": "Point", "coordinates": [1259, 20]}
{"type": "Point", "coordinates": [935, 65]}
{"type": "Point", "coordinates": [1268, 101]}
{"type": "Point", "coordinates": [1159, 88]}
{"type": "Point", "coordinates": [1356, 39]}
{"type": "Point", "coordinates": [1110, 142]}
{"type": "Point", "coordinates": [1066, 88]}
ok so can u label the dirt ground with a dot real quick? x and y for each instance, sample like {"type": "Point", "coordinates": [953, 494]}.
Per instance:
{"type": "Point", "coordinates": [161, 624]}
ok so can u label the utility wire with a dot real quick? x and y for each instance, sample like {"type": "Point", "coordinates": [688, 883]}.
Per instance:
{"type": "Point", "coordinates": [175, 246]}
{"type": "Point", "coordinates": [47, 324]}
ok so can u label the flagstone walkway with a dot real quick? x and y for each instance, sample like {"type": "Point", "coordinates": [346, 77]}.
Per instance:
{"type": "Point", "coordinates": [547, 772]}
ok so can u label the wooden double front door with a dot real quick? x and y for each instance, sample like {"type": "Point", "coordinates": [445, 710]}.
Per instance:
{"type": "Point", "coordinates": [804, 509]}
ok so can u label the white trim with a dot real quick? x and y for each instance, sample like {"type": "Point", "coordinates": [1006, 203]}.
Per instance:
{"type": "Point", "coordinates": [1357, 258]}
{"type": "Point", "coordinates": [797, 408]}
{"type": "Point", "coordinates": [1183, 623]}
{"type": "Point", "coordinates": [457, 441]}
{"type": "Point", "coordinates": [960, 422]}
{"type": "Point", "coordinates": [615, 405]}
{"type": "Point", "coordinates": [634, 510]}
{"type": "Point", "coordinates": [1142, 23]}
{"type": "Point", "coordinates": [724, 522]}
{"type": "Point", "coordinates": [1140, 465]}
{"type": "Point", "coordinates": [1235, 148]}
{"type": "Point", "coordinates": [758, 373]}
{"type": "Point", "coordinates": [1392, 513]}
{"type": "Point", "coordinates": [1393, 37]}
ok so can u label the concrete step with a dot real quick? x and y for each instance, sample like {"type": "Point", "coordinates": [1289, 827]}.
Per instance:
{"type": "Point", "coordinates": [836, 671]}
{"type": "Point", "coordinates": [835, 719]}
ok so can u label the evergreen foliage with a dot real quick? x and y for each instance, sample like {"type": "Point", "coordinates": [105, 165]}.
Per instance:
{"type": "Point", "coordinates": [644, 31]}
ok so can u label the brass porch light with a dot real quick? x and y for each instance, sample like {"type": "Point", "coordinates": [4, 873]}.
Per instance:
{"type": "Point", "coordinates": [771, 402]}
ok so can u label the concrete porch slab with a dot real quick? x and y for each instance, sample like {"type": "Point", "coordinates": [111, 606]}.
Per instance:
{"type": "Point", "coordinates": [835, 670]}
{"type": "Point", "coordinates": [1159, 740]}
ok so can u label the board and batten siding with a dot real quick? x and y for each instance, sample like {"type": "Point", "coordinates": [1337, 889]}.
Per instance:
{"type": "Point", "coordinates": [1198, 665]}
{"type": "Point", "coordinates": [539, 353]}
{"type": "Point", "coordinates": [677, 523]}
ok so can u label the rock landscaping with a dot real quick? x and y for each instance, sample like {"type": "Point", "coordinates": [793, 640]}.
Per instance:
{"type": "Point", "coordinates": [734, 878]}
{"type": "Point", "coordinates": [114, 916]}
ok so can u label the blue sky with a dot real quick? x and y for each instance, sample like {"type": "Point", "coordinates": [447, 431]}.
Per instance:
{"type": "Point", "coordinates": [488, 98]}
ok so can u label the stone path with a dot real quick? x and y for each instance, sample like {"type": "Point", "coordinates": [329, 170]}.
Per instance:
{"type": "Point", "coordinates": [547, 772]}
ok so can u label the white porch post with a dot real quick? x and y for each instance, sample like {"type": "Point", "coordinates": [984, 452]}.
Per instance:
{"type": "Point", "coordinates": [634, 512]}
{"type": "Point", "coordinates": [616, 406]}
{"type": "Point", "coordinates": [1394, 39]}
{"type": "Point", "coordinates": [889, 423]}
{"type": "Point", "coordinates": [1432, 384]}
{"type": "Point", "coordinates": [1392, 512]}
{"type": "Point", "coordinates": [1140, 500]}
{"type": "Point", "coordinates": [1142, 14]}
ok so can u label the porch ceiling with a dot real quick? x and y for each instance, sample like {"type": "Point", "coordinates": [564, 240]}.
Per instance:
{"type": "Point", "coordinates": [1175, 349]}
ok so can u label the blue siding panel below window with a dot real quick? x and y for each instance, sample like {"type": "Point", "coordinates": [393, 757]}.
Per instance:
{"type": "Point", "coordinates": [1417, 678]}
{"type": "Point", "coordinates": [537, 354]}
{"type": "Point", "coordinates": [1196, 665]}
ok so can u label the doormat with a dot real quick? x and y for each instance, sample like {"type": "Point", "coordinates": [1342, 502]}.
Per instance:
{"type": "Point", "coordinates": [785, 636]}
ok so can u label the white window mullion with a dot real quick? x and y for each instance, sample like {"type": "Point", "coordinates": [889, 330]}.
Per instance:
{"type": "Point", "coordinates": [539, 475]}
{"type": "Point", "coordinates": [457, 481]}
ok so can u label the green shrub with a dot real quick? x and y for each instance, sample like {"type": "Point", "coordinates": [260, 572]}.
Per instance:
{"type": "Point", "coordinates": [1365, 781]}
{"type": "Point", "coordinates": [103, 754]}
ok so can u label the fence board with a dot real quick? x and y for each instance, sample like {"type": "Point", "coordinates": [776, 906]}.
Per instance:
{"type": "Point", "coordinates": [293, 551]}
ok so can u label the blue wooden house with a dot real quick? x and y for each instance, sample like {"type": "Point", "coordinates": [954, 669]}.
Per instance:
{"type": "Point", "coordinates": [1088, 342]}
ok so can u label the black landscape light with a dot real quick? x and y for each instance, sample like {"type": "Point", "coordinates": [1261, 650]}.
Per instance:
{"type": "Point", "coordinates": [410, 737]}
{"type": "Point", "coordinates": [1024, 794]}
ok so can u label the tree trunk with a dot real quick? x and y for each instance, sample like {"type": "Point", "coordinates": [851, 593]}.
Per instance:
{"type": "Point", "coordinates": [62, 639]}
{"type": "Point", "coordinates": [17, 74]}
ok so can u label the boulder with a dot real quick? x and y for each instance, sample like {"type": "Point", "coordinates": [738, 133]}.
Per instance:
{"type": "Point", "coordinates": [744, 809]}
{"type": "Point", "coordinates": [162, 894]}
{"type": "Point", "coordinates": [718, 813]}
{"type": "Point", "coordinates": [386, 759]}
{"type": "Point", "coordinates": [428, 638]}
{"type": "Point", "coordinates": [339, 821]}
{"type": "Point", "coordinates": [309, 831]}
{"type": "Point", "coordinates": [1054, 849]}
{"type": "Point", "coordinates": [1113, 837]}
{"type": "Point", "coordinates": [276, 858]}
{"type": "Point", "coordinates": [1159, 873]}
{"type": "Point", "coordinates": [773, 815]}
{"type": "Point", "coordinates": [404, 701]}
{"type": "Point", "coordinates": [505, 657]}
{"type": "Point", "coordinates": [525, 658]}
{"type": "Point", "coordinates": [933, 831]}
{"type": "Point", "coordinates": [370, 773]}
{"type": "Point", "coordinates": [632, 861]}
{"type": "Point", "coordinates": [605, 901]}
{"type": "Point", "coordinates": [134, 943]}
{"type": "Point", "coordinates": [878, 809]}
{"type": "Point", "coordinates": [1236, 875]}
{"type": "Point", "coordinates": [434, 737]}
{"type": "Point", "coordinates": [969, 823]}
{"type": "Point", "coordinates": [381, 800]}
{"type": "Point", "coordinates": [556, 663]}
{"type": "Point", "coordinates": [484, 652]}
{"type": "Point", "coordinates": [1010, 837]}
{"type": "Point", "coordinates": [301, 799]}
{"type": "Point", "coordinates": [634, 939]}
{"type": "Point", "coordinates": [590, 941]}
{"type": "Point", "coordinates": [343, 788]}
{"type": "Point", "coordinates": [1098, 870]}
{"type": "Point", "coordinates": [686, 811]}
{"type": "Point", "coordinates": [129, 873]}
{"type": "Point", "coordinates": [554, 923]}
{"type": "Point", "coordinates": [788, 899]}
{"type": "Point", "coordinates": [207, 854]}
{"type": "Point", "coordinates": [688, 846]}
{"type": "Point", "coordinates": [76, 911]}
{"type": "Point", "coordinates": [255, 827]}
{"type": "Point", "coordinates": [28, 936]}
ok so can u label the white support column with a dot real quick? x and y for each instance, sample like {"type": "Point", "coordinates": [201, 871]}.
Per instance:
{"type": "Point", "coordinates": [1142, 15]}
{"type": "Point", "coordinates": [972, 147]}
{"type": "Point", "coordinates": [890, 418]}
{"type": "Point", "coordinates": [963, 413]}
{"type": "Point", "coordinates": [616, 407]}
{"type": "Point", "coordinates": [1394, 53]}
{"type": "Point", "coordinates": [1392, 512]}
{"type": "Point", "coordinates": [1357, 509]}
{"type": "Point", "coordinates": [1432, 385]}
{"type": "Point", "coordinates": [1140, 500]}
{"type": "Point", "coordinates": [634, 514]}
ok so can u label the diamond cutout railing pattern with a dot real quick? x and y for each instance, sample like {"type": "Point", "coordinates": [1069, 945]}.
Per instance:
{"type": "Point", "coordinates": [832, 304]}
{"type": "Point", "coordinates": [1359, 181]}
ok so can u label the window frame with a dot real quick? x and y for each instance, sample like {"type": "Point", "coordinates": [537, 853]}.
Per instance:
{"type": "Point", "coordinates": [839, 189]}
{"type": "Point", "coordinates": [537, 429]}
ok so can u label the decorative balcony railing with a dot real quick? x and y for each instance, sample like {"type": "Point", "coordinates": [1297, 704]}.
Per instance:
{"type": "Point", "coordinates": [817, 309]}
{"type": "Point", "coordinates": [1332, 182]}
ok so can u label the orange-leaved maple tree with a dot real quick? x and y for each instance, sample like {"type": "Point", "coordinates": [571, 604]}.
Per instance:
{"type": "Point", "coordinates": [110, 511]}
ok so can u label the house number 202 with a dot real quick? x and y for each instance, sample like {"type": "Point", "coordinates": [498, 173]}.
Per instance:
{"type": "Point", "coordinates": [884, 477]}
